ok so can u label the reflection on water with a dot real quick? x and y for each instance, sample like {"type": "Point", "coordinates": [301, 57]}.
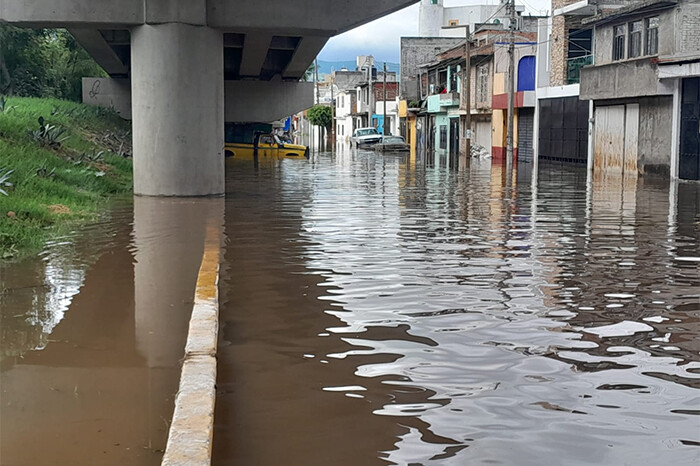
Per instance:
{"type": "Point", "coordinates": [374, 312]}
{"type": "Point", "coordinates": [92, 334]}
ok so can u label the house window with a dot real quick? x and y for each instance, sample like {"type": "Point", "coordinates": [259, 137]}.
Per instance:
{"type": "Point", "coordinates": [453, 23]}
{"type": "Point", "coordinates": [619, 43]}
{"type": "Point", "coordinates": [652, 43]}
{"type": "Point", "coordinates": [635, 49]}
{"type": "Point", "coordinates": [482, 83]}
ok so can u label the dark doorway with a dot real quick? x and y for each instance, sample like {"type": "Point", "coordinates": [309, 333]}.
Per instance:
{"type": "Point", "coordinates": [454, 136]}
{"type": "Point", "coordinates": [689, 160]}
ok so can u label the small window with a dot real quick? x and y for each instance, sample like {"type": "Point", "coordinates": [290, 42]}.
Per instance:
{"type": "Point", "coordinates": [619, 43]}
{"type": "Point", "coordinates": [652, 43]}
{"type": "Point", "coordinates": [635, 47]}
{"type": "Point", "coordinates": [482, 83]}
{"type": "Point", "coordinates": [453, 23]}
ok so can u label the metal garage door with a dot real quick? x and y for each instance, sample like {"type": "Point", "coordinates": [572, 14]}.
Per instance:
{"type": "Point", "coordinates": [616, 136]}
{"type": "Point", "coordinates": [563, 130]}
{"type": "Point", "coordinates": [526, 119]}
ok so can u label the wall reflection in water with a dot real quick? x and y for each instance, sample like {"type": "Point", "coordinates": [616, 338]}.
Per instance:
{"type": "Point", "coordinates": [378, 311]}
{"type": "Point", "coordinates": [92, 336]}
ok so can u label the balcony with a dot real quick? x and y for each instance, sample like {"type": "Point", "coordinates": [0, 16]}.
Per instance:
{"type": "Point", "coordinates": [573, 68]}
{"type": "Point", "coordinates": [449, 99]}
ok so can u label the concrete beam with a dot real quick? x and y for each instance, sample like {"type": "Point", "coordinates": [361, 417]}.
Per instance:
{"type": "Point", "coordinates": [245, 101]}
{"type": "Point", "coordinates": [306, 51]}
{"type": "Point", "coordinates": [98, 48]}
{"type": "Point", "coordinates": [67, 13]}
{"type": "Point", "coordinates": [192, 12]}
{"type": "Point", "coordinates": [265, 101]}
{"type": "Point", "coordinates": [300, 17]}
{"type": "Point", "coordinates": [281, 17]}
{"type": "Point", "coordinates": [254, 52]}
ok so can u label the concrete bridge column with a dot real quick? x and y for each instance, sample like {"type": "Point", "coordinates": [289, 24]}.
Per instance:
{"type": "Point", "coordinates": [177, 86]}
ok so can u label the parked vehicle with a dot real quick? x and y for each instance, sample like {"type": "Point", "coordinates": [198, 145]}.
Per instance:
{"type": "Point", "coordinates": [269, 146]}
{"type": "Point", "coordinates": [392, 144]}
{"type": "Point", "coordinates": [364, 137]}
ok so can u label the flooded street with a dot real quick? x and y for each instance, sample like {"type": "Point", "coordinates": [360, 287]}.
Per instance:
{"type": "Point", "coordinates": [93, 332]}
{"type": "Point", "coordinates": [378, 313]}
{"type": "Point", "coordinates": [373, 311]}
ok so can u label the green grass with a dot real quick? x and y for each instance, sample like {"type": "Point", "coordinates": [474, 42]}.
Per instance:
{"type": "Point", "coordinates": [39, 207]}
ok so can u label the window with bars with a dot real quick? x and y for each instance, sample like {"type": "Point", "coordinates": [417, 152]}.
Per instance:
{"type": "Point", "coordinates": [619, 42]}
{"type": "Point", "coordinates": [635, 47]}
{"type": "Point", "coordinates": [652, 33]}
{"type": "Point", "coordinates": [482, 83]}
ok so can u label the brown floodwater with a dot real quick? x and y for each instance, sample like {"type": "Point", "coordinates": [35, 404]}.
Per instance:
{"type": "Point", "coordinates": [92, 333]}
{"type": "Point", "coordinates": [375, 312]}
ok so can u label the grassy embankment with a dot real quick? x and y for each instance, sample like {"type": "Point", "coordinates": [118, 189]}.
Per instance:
{"type": "Point", "coordinates": [57, 186]}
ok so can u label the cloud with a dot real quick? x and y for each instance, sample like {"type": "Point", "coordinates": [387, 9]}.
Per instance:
{"type": "Point", "coordinates": [382, 37]}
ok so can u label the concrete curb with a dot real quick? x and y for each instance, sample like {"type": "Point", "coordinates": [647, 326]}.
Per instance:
{"type": "Point", "coordinates": [192, 429]}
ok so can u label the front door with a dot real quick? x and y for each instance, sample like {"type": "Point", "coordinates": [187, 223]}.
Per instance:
{"type": "Point", "coordinates": [454, 136]}
{"type": "Point", "coordinates": [689, 160]}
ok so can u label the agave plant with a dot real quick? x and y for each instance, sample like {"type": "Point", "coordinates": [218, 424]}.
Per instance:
{"type": "Point", "coordinates": [49, 135]}
{"type": "Point", "coordinates": [4, 108]}
{"type": "Point", "coordinates": [4, 177]}
{"type": "Point", "coordinates": [44, 172]}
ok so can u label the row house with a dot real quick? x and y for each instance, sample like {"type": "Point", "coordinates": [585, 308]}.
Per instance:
{"type": "Point", "coordinates": [565, 46]}
{"type": "Point", "coordinates": [644, 85]}
{"type": "Point", "coordinates": [440, 88]}
{"type": "Point", "coordinates": [354, 104]}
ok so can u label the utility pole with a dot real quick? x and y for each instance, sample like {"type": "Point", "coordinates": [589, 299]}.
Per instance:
{"type": "Point", "coordinates": [384, 106]}
{"type": "Point", "coordinates": [370, 97]}
{"type": "Point", "coordinates": [317, 99]}
{"type": "Point", "coordinates": [467, 92]}
{"type": "Point", "coordinates": [332, 111]}
{"type": "Point", "coordinates": [511, 83]}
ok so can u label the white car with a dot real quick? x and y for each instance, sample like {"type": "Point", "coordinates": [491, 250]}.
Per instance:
{"type": "Point", "coordinates": [365, 137]}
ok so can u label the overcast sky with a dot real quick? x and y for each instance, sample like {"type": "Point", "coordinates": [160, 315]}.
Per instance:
{"type": "Point", "coordinates": [381, 38]}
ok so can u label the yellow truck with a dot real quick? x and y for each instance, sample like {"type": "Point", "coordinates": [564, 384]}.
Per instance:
{"type": "Point", "coordinates": [270, 146]}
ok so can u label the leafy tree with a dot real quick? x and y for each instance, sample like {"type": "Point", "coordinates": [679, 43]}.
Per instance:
{"type": "Point", "coordinates": [320, 115]}
{"type": "Point", "coordinates": [43, 63]}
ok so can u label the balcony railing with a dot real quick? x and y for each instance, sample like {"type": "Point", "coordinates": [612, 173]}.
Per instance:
{"type": "Point", "coordinates": [573, 68]}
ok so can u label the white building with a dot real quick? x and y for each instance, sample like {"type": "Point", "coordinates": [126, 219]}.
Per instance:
{"type": "Point", "coordinates": [345, 105]}
{"type": "Point", "coordinates": [434, 17]}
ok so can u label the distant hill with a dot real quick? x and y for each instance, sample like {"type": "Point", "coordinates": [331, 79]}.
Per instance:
{"type": "Point", "coordinates": [325, 67]}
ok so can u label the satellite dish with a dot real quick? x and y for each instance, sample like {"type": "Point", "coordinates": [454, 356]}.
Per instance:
{"type": "Point", "coordinates": [496, 21]}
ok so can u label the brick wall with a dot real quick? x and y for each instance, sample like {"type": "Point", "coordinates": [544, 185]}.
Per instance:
{"type": "Point", "coordinates": [391, 91]}
{"type": "Point", "coordinates": [690, 29]}
{"type": "Point", "coordinates": [559, 49]}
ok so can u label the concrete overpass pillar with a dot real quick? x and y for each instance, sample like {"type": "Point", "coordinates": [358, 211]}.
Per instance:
{"type": "Point", "coordinates": [177, 87]}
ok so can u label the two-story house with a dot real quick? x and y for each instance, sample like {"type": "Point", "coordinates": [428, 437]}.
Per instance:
{"type": "Point", "coordinates": [565, 46]}
{"type": "Point", "coordinates": [441, 88]}
{"type": "Point", "coordinates": [644, 84]}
